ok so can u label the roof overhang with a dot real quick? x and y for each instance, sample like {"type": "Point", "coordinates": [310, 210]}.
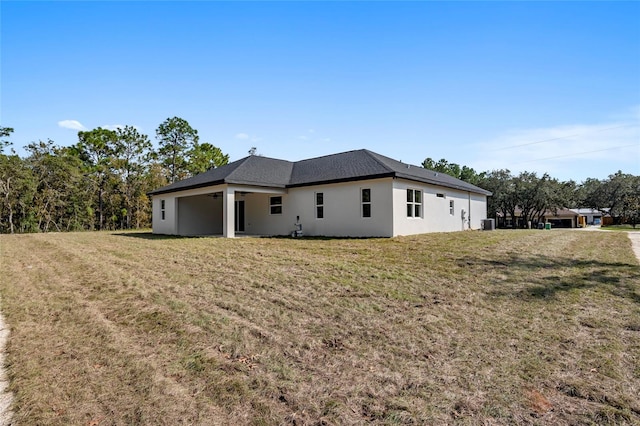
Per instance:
{"type": "Point", "coordinates": [414, 178]}
{"type": "Point", "coordinates": [350, 179]}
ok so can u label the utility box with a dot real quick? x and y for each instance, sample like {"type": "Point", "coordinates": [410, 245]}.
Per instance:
{"type": "Point", "coordinates": [547, 225]}
{"type": "Point", "coordinates": [488, 224]}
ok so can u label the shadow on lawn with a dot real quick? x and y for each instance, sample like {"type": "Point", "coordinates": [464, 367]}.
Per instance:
{"type": "Point", "coordinates": [151, 236]}
{"type": "Point", "coordinates": [546, 277]}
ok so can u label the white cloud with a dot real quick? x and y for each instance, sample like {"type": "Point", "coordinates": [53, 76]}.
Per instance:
{"type": "Point", "coordinates": [71, 124]}
{"type": "Point", "coordinates": [247, 137]}
{"type": "Point", "coordinates": [312, 137]}
{"type": "Point", "coordinates": [574, 151]}
{"type": "Point", "coordinates": [113, 126]}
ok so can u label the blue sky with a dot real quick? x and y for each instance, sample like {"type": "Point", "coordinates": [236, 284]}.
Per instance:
{"type": "Point", "coordinates": [537, 86]}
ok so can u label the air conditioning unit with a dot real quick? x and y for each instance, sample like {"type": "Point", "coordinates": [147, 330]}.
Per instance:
{"type": "Point", "coordinates": [488, 224]}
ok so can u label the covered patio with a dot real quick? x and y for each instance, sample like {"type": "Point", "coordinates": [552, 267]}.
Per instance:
{"type": "Point", "coordinates": [223, 210]}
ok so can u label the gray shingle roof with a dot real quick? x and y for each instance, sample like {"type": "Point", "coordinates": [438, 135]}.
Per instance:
{"type": "Point", "coordinates": [343, 167]}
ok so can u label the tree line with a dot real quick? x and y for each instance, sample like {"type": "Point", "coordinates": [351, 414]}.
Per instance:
{"type": "Point", "coordinates": [100, 182]}
{"type": "Point", "coordinates": [532, 195]}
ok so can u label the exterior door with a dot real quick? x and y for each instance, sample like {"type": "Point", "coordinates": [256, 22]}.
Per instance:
{"type": "Point", "coordinates": [239, 219]}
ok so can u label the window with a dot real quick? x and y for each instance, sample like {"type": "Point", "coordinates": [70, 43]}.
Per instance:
{"type": "Point", "coordinates": [440, 195]}
{"type": "Point", "coordinates": [319, 205]}
{"type": "Point", "coordinates": [414, 203]}
{"type": "Point", "coordinates": [365, 199]}
{"type": "Point", "coordinates": [451, 207]}
{"type": "Point", "coordinates": [162, 210]}
{"type": "Point", "coordinates": [275, 205]}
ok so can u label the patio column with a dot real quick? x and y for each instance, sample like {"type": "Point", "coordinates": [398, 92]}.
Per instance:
{"type": "Point", "coordinates": [228, 212]}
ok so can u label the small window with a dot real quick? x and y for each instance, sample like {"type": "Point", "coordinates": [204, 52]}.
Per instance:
{"type": "Point", "coordinates": [440, 195]}
{"type": "Point", "coordinates": [414, 203]}
{"type": "Point", "coordinates": [451, 209]}
{"type": "Point", "coordinates": [162, 210]}
{"type": "Point", "coordinates": [365, 200]}
{"type": "Point", "coordinates": [275, 205]}
{"type": "Point", "coordinates": [319, 205]}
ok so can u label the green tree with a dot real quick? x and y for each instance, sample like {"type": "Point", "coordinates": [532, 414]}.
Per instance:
{"type": "Point", "coordinates": [61, 187]}
{"type": "Point", "coordinates": [176, 138]}
{"type": "Point", "coordinates": [17, 189]}
{"type": "Point", "coordinates": [205, 156]}
{"type": "Point", "coordinates": [5, 132]}
{"type": "Point", "coordinates": [504, 199]}
{"type": "Point", "coordinates": [464, 173]}
{"type": "Point", "coordinates": [97, 149]}
{"type": "Point", "coordinates": [618, 194]}
{"type": "Point", "coordinates": [133, 156]}
{"type": "Point", "coordinates": [631, 201]}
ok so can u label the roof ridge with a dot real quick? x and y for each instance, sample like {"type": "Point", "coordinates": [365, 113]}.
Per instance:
{"type": "Point", "coordinates": [328, 155]}
{"type": "Point", "coordinates": [243, 164]}
{"type": "Point", "coordinates": [240, 162]}
{"type": "Point", "coordinates": [377, 160]}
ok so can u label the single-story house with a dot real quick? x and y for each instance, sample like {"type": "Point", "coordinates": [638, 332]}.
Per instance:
{"type": "Point", "coordinates": [356, 194]}
{"type": "Point", "coordinates": [589, 216]}
{"type": "Point", "coordinates": [561, 218]}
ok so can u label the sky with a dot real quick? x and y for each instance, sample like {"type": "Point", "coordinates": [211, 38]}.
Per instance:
{"type": "Point", "coordinates": [545, 87]}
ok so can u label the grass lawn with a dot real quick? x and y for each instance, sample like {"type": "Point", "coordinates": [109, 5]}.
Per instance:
{"type": "Point", "coordinates": [470, 328]}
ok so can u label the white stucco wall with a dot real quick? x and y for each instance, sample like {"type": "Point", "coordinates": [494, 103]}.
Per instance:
{"type": "Point", "coordinates": [168, 225]}
{"type": "Point", "coordinates": [199, 215]}
{"type": "Point", "coordinates": [202, 213]}
{"type": "Point", "coordinates": [436, 216]}
{"type": "Point", "coordinates": [342, 211]}
{"type": "Point", "coordinates": [195, 212]}
{"type": "Point", "coordinates": [478, 210]}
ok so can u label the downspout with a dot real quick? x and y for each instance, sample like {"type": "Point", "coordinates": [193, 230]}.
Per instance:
{"type": "Point", "coordinates": [469, 214]}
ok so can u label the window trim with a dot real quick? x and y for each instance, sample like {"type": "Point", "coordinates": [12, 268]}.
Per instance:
{"type": "Point", "coordinates": [365, 203]}
{"type": "Point", "coordinates": [413, 204]}
{"type": "Point", "coordinates": [319, 206]}
{"type": "Point", "coordinates": [273, 205]}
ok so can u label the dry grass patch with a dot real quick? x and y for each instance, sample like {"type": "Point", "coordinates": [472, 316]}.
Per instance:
{"type": "Point", "coordinates": [468, 328]}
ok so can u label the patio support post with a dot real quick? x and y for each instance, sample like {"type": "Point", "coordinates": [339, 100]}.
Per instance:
{"type": "Point", "coordinates": [228, 212]}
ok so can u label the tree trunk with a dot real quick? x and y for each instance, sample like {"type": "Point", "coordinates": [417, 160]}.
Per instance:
{"type": "Point", "coordinates": [100, 218]}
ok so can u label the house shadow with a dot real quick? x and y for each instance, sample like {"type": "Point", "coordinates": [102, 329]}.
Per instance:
{"type": "Point", "coordinates": [317, 237]}
{"type": "Point", "coordinates": [151, 236]}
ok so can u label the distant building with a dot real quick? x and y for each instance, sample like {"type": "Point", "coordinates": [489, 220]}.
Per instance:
{"type": "Point", "coordinates": [561, 218]}
{"type": "Point", "coordinates": [591, 216]}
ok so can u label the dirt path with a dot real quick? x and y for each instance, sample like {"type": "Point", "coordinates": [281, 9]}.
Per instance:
{"type": "Point", "coordinates": [635, 243]}
{"type": "Point", "coordinates": [6, 397]}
